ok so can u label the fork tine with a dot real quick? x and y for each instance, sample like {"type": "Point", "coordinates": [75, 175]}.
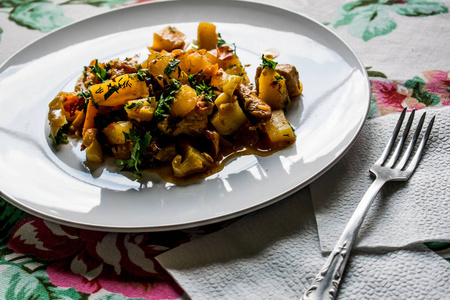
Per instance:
{"type": "Point", "coordinates": [412, 143]}
{"type": "Point", "coordinates": [402, 141]}
{"type": "Point", "coordinates": [389, 145]}
{"type": "Point", "coordinates": [423, 142]}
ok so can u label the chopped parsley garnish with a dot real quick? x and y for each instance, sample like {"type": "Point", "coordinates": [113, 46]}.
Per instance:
{"type": "Point", "coordinates": [171, 67]}
{"type": "Point", "coordinates": [60, 138]}
{"type": "Point", "coordinates": [202, 88]}
{"type": "Point", "coordinates": [220, 41]}
{"type": "Point", "coordinates": [278, 81]}
{"type": "Point", "coordinates": [166, 98]}
{"type": "Point", "coordinates": [268, 63]}
{"type": "Point", "coordinates": [140, 145]}
{"type": "Point", "coordinates": [99, 72]}
{"type": "Point", "coordinates": [133, 105]}
{"type": "Point", "coordinates": [111, 90]}
{"type": "Point", "coordinates": [143, 74]}
{"type": "Point", "coordinates": [86, 95]}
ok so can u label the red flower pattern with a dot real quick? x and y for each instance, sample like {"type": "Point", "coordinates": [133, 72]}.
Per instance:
{"type": "Point", "coordinates": [438, 83]}
{"type": "Point", "coordinates": [90, 261]}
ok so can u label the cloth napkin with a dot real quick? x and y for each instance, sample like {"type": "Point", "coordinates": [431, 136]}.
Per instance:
{"type": "Point", "coordinates": [274, 253]}
{"type": "Point", "coordinates": [403, 212]}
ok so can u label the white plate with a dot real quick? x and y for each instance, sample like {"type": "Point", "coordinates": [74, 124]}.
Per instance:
{"type": "Point", "coordinates": [57, 185]}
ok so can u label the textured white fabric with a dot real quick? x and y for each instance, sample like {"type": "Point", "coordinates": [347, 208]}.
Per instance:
{"type": "Point", "coordinates": [403, 212]}
{"type": "Point", "coordinates": [275, 254]}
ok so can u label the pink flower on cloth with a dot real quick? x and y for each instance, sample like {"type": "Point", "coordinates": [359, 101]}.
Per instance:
{"type": "Point", "coordinates": [91, 261]}
{"type": "Point", "coordinates": [388, 96]}
{"type": "Point", "coordinates": [438, 83]}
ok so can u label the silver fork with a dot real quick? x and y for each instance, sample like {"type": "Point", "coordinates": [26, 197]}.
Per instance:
{"type": "Point", "coordinates": [387, 168]}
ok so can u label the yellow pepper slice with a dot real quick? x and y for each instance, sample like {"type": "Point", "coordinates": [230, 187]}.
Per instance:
{"type": "Point", "coordinates": [119, 91]}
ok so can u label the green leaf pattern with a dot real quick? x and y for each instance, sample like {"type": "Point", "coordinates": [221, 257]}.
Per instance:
{"type": "Point", "coordinates": [43, 16]}
{"type": "Point", "coordinates": [23, 278]}
{"type": "Point", "coordinates": [46, 15]}
{"type": "Point", "coordinates": [367, 19]}
{"type": "Point", "coordinates": [9, 216]}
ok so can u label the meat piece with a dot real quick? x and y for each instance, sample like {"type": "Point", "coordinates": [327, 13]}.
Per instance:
{"type": "Point", "coordinates": [254, 106]}
{"type": "Point", "coordinates": [290, 74]}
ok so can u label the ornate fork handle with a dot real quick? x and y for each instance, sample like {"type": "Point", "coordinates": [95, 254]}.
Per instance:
{"type": "Point", "coordinates": [388, 167]}
{"type": "Point", "coordinates": [327, 281]}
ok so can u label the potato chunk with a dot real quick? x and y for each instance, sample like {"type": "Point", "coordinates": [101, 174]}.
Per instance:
{"type": "Point", "coordinates": [206, 36]}
{"type": "Point", "coordinates": [141, 110]}
{"type": "Point", "coordinates": [193, 161]}
{"type": "Point", "coordinates": [184, 102]}
{"type": "Point", "coordinates": [114, 132]}
{"type": "Point", "coordinates": [228, 118]}
{"type": "Point", "coordinates": [279, 130]}
{"type": "Point", "coordinates": [94, 150]}
{"type": "Point", "coordinates": [168, 39]}
{"type": "Point", "coordinates": [57, 115]}
{"type": "Point", "coordinates": [272, 89]}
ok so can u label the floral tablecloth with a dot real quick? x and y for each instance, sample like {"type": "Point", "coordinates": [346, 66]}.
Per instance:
{"type": "Point", "coordinates": [403, 43]}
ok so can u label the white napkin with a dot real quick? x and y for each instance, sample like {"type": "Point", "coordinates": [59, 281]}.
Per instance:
{"type": "Point", "coordinates": [403, 213]}
{"type": "Point", "coordinates": [274, 253]}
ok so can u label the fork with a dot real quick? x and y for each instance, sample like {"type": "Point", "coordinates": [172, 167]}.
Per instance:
{"type": "Point", "coordinates": [389, 167]}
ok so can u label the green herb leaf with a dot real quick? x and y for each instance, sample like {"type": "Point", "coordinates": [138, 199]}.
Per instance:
{"type": "Point", "coordinates": [268, 63]}
{"type": "Point", "coordinates": [141, 144]}
{"type": "Point", "coordinates": [111, 90]}
{"type": "Point", "coordinates": [86, 95]}
{"type": "Point", "coordinates": [171, 67]}
{"type": "Point", "coordinates": [166, 98]}
{"type": "Point", "coordinates": [99, 72]}
{"type": "Point", "coordinates": [220, 41]}
{"type": "Point", "coordinates": [202, 87]}
{"type": "Point", "coordinates": [143, 74]}
{"type": "Point", "coordinates": [133, 105]}
{"type": "Point", "coordinates": [60, 138]}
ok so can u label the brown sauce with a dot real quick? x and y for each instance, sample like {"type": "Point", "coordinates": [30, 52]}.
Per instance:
{"type": "Point", "coordinates": [227, 154]}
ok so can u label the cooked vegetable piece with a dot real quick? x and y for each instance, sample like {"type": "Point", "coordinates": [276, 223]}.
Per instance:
{"type": "Point", "coordinates": [206, 36]}
{"type": "Point", "coordinates": [72, 104]}
{"type": "Point", "coordinates": [290, 74]}
{"type": "Point", "coordinates": [184, 102]}
{"type": "Point", "coordinates": [195, 61]}
{"type": "Point", "coordinates": [114, 132]}
{"type": "Point", "coordinates": [194, 161]}
{"type": "Point", "coordinates": [76, 127]}
{"type": "Point", "coordinates": [195, 122]}
{"type": "Point", "coordinates": [168, 39]}
{"type": "Point", "coordinates": [272, 89]}
{"type": "Point", "coordinates": [119, 91]}
{"type": "Point", "coordinates": [94, 151]}
{"type": "Point", "coordinates": [199, 102]}
{"type": "Point", "coordinates": [141, 110]}
{"type": "Point", "coordinates": [228, 118]}
{"type": "Point", "coordinates": [91, 113]}
{"type": "Point", "coordinates": [57, 114]}
{"type": "Point", "coordinates": [233, 66]}
{"type": "Point", "coordinates": [159, 65]}
{"type": "Point", "coordinates": [279, 130]}
{"type": "Point", "coordinates": [228, 86]}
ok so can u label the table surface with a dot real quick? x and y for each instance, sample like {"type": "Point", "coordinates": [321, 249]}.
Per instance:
{"type": "Point", "coordinates": [404, 46]}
